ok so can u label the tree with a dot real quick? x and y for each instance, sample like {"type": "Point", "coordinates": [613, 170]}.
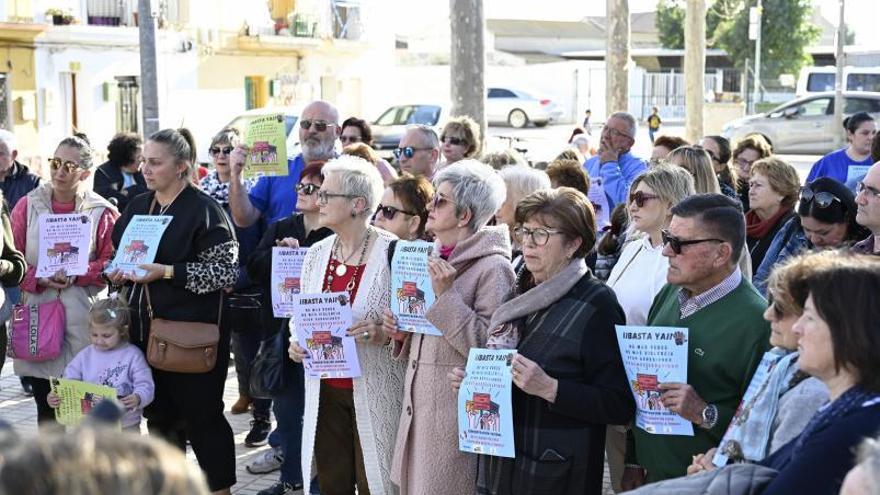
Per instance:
{"type": "Point", "coordinates": [671, 14]}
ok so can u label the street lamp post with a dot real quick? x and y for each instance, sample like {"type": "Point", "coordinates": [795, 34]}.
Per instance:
{"type": "Point", "coordinates": [755, 33]}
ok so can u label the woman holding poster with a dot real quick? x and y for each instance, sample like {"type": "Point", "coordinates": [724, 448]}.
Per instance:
{"type": "Point", "coordinates": [470, 279]}
{"type": "Point", "coordinates": [196, 258]}
{"type": "Point", "coordinates": [569, 377]}
{"type": "Point", "coordinates": [67, 192]}
{"type": "Point", "coordinates": [351, 453]}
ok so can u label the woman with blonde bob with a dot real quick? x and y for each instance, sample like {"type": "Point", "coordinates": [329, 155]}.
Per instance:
{"type": "Point", "coordinates": [460, 139]}
{"type": "Point", "coordinates": [699, 164]}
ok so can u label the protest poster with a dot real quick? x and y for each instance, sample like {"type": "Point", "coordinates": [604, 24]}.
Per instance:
{"type": "Point", "coordinates": [65, 242]}
{"type": "Point", "coordinates": [601, 205]}
{"type": "Point", "coordinates": [266, 137]}
{"type": "Point", "coordinates": [411, 291]}
{"type": "Point", "coordinates": [321, 322]}
{"type": "Point", "coordinates": [651, 356]}
{"type": "Point", "coordinates": [286, 271]}
{"type": "Point", "coordinates": [139, 243]}
{"type": "Point", "coordinates": [77, 399]}
{"type": "Point", "coordinates": [485, 410]}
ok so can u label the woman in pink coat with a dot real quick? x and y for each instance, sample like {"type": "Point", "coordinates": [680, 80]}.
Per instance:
{"type": "Point", "coordinates": [471, 277]}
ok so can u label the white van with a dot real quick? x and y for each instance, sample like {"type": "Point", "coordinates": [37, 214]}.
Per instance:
{"type": "Point", "coordinates": [821, 79]}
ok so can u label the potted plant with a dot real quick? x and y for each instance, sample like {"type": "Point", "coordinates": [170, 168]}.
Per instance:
{"type": "Point", "coordinates": [59, 16]}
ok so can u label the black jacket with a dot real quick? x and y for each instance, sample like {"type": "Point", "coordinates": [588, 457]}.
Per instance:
{"type": "Point", "coordinates": [109, 182]}
{"type": "Point", "coordinates": [18, 184]}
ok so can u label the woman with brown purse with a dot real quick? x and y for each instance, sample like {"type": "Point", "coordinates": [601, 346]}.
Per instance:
{"type": "Point", "coordinates": [180, 295]}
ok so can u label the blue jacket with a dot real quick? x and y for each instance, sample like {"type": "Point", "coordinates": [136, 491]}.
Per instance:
{"type": "Point", "coordinates": [789, 241]}
{"type": "Point", "coordinates": [18, 184]}
{"type": "Point", "coordinates": [616, 176]}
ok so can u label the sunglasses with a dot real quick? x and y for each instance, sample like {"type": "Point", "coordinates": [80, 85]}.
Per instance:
{"type": "Point", "coordinates": [439, 201]}
{"type": "Point", "coordinates": [306, 189]}
{"type": "Point", "coordinates": [821, 199]}
{"type": "Point", "coordinates": [388, 212]}
{"type": "Point", "coordinates": [676, 243]}
{"type": "Point", "coordinates": [640, 198]}
{"type": "Point", "coordinates": [539, 236]}
{"type": "Point", "coordinates": [349, 139]}
{"type": "Point", "coordinates": [226, 151]}
{"type": "Point", "coordinates": [407, 152]}
{"type": "Point", "coordinates": [69, 166]}
{"type": "Point", "coordinates": [455, 141]}
{"type": "Point", "coordinates": [320, 125]}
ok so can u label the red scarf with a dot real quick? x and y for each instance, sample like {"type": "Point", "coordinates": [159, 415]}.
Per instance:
{"type": "Point", "coordinates": [757, 228]}
{"type": "Point", "coordinates": [446, 251]}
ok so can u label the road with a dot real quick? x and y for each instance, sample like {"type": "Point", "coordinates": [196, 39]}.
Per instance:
{"type": "Point", "coordinates": [543, 144]}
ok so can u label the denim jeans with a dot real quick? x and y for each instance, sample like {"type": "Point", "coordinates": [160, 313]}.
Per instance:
{"type": "Point", "coordinates": [288, 407]}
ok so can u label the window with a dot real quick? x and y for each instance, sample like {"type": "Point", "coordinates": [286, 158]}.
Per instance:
{"type": "Point", "coordinates": [814, 108]}
{"type": "Point", "coordinates": [820, 82]}
{"type": "Point", "coordinates": [854, 105]}
{"type": "Point", "coordinates": [254, 92]}
{"type": "Point", "coordinates": [127, 105]}
{"type": "Point", "coordinates": [863, 82]}
{"type": "Point", "coordinates": [501, 93]}
{"type": "Point", "coordinates": [5, 114]}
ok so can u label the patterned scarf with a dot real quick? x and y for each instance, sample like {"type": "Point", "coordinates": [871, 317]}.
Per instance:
{"type": "Point", "coordinates": [212, 186]}
{"type": "Point", "coordinates": [852, 399]}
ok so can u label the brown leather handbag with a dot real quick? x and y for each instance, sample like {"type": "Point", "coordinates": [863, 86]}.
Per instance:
{"type": "Point", "coordinates": [182, 346]}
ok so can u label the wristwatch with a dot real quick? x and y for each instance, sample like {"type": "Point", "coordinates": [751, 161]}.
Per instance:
{"type": "Point", "coordinates": [169, 272]}
{"type": "Point", "coordinates": [709, 416]}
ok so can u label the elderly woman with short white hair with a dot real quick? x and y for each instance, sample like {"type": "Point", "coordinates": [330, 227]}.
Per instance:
{"type": "Point", "coordinates": [349, 424]}
{"type": "Point", "coordinates": [520, 180]}
{"type": "Point", "coordinates": [471, 277]}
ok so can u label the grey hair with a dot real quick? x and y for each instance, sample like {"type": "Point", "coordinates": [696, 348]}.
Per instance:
{"type": "Point", "coordinates": [869, 459]}
{"type": "Point", "coordinates": [8, 138]}
{"type": "Point", "coordinates": [428, 134]}
{"type": "Point", "coordinates": [80, 143]}
{"type": "Point", "coordinates": [505, 158]}
{"type": "Point", "coordinates": [522, 180]}
{"type": "Point", "coordinates": [476, 187]}
{"type": "Point", "coordinates": [629, 119]}
{"type": "Point", "coordinates": [357, 177]}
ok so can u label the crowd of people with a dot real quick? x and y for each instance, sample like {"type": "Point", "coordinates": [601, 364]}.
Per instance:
{"type": "Point", "coordinates": [773, 278]}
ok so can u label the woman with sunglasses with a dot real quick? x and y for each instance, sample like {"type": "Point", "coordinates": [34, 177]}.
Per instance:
{"type": "Point", "coordinates": [471, 277]}
{"type": "Point", "coordinates": [404, 208]}
{"type": "Point", "coordinates": [301, 229]}
{"type": "Point", "coordinates": [568, 376]}
{"type": "Point", "coordinates": [349, 423]}
{"type": "Point", "coordinates": [460, 139]}
{"type": "Point", "coordinates": [773, 191]}
{"type": "Point", "coordinates": [826, 219]}
{"type": "Point", "coordinates": [66, 192]}
{"type": "Point", "coordinates": [848, 165]}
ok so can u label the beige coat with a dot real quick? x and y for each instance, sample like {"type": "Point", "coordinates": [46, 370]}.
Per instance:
{"type": "Point", "coordinates": [77, 300]}
{"type": "Point", "coordinates": [426, 458]}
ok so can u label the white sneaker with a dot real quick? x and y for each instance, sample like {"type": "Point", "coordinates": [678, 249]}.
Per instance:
{"type": "Point", "coordinates": [271, 460]}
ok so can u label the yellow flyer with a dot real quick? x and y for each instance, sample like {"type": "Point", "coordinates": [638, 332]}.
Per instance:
{"type": "Point", "coordinates": [266, 137]}
{"type": "Point", "coordinates": [77, 399]}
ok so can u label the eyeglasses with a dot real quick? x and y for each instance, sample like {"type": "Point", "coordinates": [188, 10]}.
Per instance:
{"type": "Point", "coordinates": [324, 197]}
{"type": "Point", "coordinates": [390, 211]}
{"type": "Point", "coordinates": [306, 189]}
{"type": "Point", "coordinates": [821, 199]}
{"type": "Point", "coordinates": [226, 151]}
{"type": "Point", "coordinates": [407, 152]}
{"type": "Point", "coordinates": [439, 201]}
{"type": "Point", "coordinates": [320, 125]}
{"type": "Point", "coordinates": [614, 132]}
{"type": "Point", "coordinates": [861, 187]}
{"type": "Point", "coordinates": [69, 166]}
{"type": "Point", "coordinates": [455, 141]}
{"type": "Point", "coordinates": [676, 243]}
{"type": "Point", "coordinates": [349, 139]}
{"type": "Point", "coordinates": [539, 236]}
{"type": "Point", "coordinates": [640, 198]}
{"type": "Point", "coordinates": [744, 164]}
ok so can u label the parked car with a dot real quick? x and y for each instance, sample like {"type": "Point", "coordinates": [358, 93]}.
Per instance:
{"type": "Point", "coordinates": [819, 79]}
{"type": "Point", "coordinates": [291, 117]}
{"type": "Point", "coordinates": [518, 108]}
{"type": "Point", "coordinates": [389, 128]}
{"type": "Point", "coordinates": [805, 125]}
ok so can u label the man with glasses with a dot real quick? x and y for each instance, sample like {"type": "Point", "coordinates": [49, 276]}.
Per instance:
{"type": "Point", "coordinates": [727, 335]}
{"type": "Point", "coordinates": [275, 197]}
{"type": "Point", "coordinates": [418, 151]}
{"type": "Point", "coordinates": [868, 213]}
{"type": "Point", "coordinates": [614, 168]}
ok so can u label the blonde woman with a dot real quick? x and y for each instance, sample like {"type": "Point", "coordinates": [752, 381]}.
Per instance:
{"type": "Point", "coordinates": [460, 139]}
{"type": "Point", "coordinates": [699, 164]}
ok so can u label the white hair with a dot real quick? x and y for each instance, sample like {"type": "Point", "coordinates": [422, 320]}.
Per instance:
{"type": "Point", "coordinates": [357, 177]}
{"type": "Point", "coordinates": [522, 180]}
{"type": "Point", "coordinates": [9, 140]}
{"type": "Point", "coordinates": [629, 119]}
{"type": "Point", "coordinates": [476, 187]}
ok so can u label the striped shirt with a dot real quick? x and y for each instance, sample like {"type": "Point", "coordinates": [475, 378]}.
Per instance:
{"type": "Point", "coordinates": [691, 304]}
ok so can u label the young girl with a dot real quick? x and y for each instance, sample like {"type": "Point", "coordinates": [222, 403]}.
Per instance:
{"type": "Point", "coordinates": [112, 361]}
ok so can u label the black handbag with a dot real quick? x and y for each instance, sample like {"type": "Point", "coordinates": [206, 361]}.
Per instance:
{"type": "Point", "coordinates": [271, 374]}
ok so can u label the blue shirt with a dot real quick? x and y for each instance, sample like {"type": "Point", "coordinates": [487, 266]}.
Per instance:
{"type": "Point", "coordinates": [275, 197]}
{"type": "Point", "coordinates": [840, 167]}
{"type": "Point", "coordinates": [616, 176]}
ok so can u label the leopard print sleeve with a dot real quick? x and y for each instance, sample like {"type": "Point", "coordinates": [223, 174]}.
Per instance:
{"type": "Point", "coordinates": [216, 269]}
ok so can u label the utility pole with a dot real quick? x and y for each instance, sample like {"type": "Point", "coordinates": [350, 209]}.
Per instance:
{"type": "Point", "coordinates": [839, 83]}
{"type": "Point", "coordinates": [149, 84]}
{"type": "Point", "coordinates": [617, 56]}
{"type": "Point", "coordinates": [755, 14]}
{"type": "Point", "coordinates": [468, 60]}
{"type": "Point", "coordinates": [694, 68]}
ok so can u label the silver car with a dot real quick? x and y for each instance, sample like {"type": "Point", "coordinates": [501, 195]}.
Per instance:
{"type": "Point", "coordinates": [517, 108]}
{"type": "Point", "coordinates": [805, 125]}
